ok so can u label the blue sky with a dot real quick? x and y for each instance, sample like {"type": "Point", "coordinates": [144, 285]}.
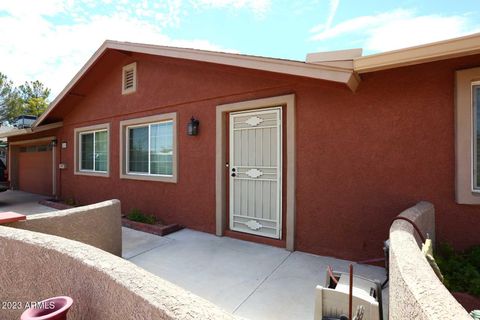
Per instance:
{"type": "Point", "coordinates": [50, 40]}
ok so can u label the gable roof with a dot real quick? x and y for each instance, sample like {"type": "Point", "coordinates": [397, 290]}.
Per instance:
{"type": "Point", "coordinates": [283, 66]}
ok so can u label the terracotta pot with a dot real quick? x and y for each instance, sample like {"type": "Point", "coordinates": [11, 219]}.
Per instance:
{"type": "Point", "coordinates": [55, 308]}
{"type": "Point", "coordinates": [467, 301]}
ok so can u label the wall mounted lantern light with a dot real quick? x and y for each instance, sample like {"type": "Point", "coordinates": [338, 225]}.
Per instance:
{"type": "Point", "coordinates": [192, 127]}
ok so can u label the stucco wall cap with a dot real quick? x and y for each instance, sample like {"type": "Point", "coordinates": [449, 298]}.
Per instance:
{"type": "Point", "coordinates": [415, 290]}
{"type": "Point", "coordinates": [75, 210]}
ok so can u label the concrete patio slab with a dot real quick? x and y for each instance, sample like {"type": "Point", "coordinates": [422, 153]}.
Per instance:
{"type": "Point", "coordinates": [288, 293]}
{"type": "Point", "coordinates": [222, 270]}
{"type": "Point", "coordinates": [22, 202]}
{"type": "Point", "coordinates": [139, 242]}
{"type": "Point", "coordinates": [251, 280]}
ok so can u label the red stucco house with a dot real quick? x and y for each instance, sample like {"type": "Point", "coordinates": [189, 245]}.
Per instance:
{"type": "Point", "coordinates": [317, 156]}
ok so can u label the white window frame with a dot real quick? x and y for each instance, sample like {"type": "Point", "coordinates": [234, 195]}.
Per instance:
{"type": "Point", "coordinates": [78, 132]}
{"type": "Point", "coordinates": [465, 190]}
{"type": "Point", "coordinates": [125, 125]}
{"type": "Point", "coordinates": [128, 67]}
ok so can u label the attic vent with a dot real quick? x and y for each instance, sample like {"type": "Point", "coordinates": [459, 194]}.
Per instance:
{"type": "Point", "coordinates": [129, 78]}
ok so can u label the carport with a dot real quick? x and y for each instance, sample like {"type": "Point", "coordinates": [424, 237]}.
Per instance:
{"type": "Point", "coordinates": [32, 159]}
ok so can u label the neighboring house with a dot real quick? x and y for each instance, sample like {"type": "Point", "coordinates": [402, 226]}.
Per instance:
{"type": "Point", "coordinates": [318, 156]}
{"type": "Point", "coordinates": [4, 151]}
{"type": "Point", "coordinates": [24, 121]}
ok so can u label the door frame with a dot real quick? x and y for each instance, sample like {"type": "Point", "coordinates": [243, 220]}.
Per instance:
{"type": "Point", "coordinates": [221, 210]}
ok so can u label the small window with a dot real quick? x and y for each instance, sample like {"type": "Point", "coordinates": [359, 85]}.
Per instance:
{"type": "Point", "coordinates": [149, 146]}
{"type": "Point", "coordinates": [42, 148]}
{"type": "Point", "coordinates": [129, 78]}
{"type": "Point", "coordinates": [91, 150]}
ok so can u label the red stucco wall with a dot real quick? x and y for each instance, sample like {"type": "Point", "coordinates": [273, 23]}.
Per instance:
{"type": "Point", "coordinates": [361, 157]}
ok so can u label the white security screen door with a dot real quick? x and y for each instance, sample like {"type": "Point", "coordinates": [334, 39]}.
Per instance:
{"type": "Point", "coordinates": [256, 172]}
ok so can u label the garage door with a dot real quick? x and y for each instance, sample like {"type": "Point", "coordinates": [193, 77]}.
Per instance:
{"type": "Point", "coordinates": [35, 169]}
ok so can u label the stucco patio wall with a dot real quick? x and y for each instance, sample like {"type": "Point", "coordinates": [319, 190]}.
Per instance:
{"type": "Point", "coordinates": [415, 291]}
{"type": "Point", "coordinates": [98, 225]}
{"type": "Point", "coordinates": [36, 266]}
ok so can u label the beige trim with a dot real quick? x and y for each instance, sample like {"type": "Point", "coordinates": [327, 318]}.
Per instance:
{"type": "Point", "coordinates": [464, 192]}
{"type": "Point", "coordinates": [123, 156]}
{"type": "Point", "coordinates": [297, 68]}
{"type": "Point", "coordinates": [10, 164]}
{"type": "Point", "coordinates": [331, 56]}
{"type": "Point", "coordinates": [76, 150]}
{"type": "Point", "coordinates": [220, 160]}
{"type": "Point", "coordinates": [129, 67]}
{"type": "Point", "coordinates": [54, 169]}
{"type": "Point", "coordinates": [19, 132]}
{"type": "Point", "coordinates": [450, 48]}
{"type": "Point", "coordinates": [339, 64]}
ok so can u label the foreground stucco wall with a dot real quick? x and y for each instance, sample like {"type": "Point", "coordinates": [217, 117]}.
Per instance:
{"type": "Point", "coordinates": [415, 291]}
{"type": "Point", "coordinates": [36, 266]}
{"type": "Point", "coordinates": [98, 225]}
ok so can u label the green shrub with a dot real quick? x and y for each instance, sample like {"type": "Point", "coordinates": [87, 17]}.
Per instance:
{"type": "Point", "coordinates": [137, 215]}
{"type": "Point", "coordinates": [460, 269]}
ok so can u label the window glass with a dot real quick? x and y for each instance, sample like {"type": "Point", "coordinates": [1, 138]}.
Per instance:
{"type": "Point", "coordinates": [94, 151]}
{"type": "Point", "coordinates": [138, 149]}
{"type": "Point", "coordinates": [150, 149]}
{"type": "Point", "coordinates": [42, 148]}
{"type": "Point", "coordinates": [476, 108]}
{"type": "Point", "coordinates": [161, 148]}
{"type": "Point", "coordinates": [101, 151]}
{"type": "Point", "coordinates": [86, 145]}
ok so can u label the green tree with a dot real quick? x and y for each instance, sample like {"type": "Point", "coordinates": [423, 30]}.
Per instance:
{"type": "Point", "coordinates": [31, 98]}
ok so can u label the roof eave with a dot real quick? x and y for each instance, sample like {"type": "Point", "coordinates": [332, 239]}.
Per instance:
{"type": "Point", "coordinates": [462, 46]}
{"type": "Point", "coordinates": [296, 68]}
{"type": "Point", "coordinates": [20, 132]}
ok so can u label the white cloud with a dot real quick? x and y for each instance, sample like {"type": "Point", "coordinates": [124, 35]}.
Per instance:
{"type": "Point", "coordinates": [259, 7]}
{"type": "Point", "coordinates": [32, 8]}
{"type": "Point", "coordinates": [33, 46]}
{"type": "Point", "coordinates": [333, 10]}
{"type": "Point", "coordinates": [398, 29]}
